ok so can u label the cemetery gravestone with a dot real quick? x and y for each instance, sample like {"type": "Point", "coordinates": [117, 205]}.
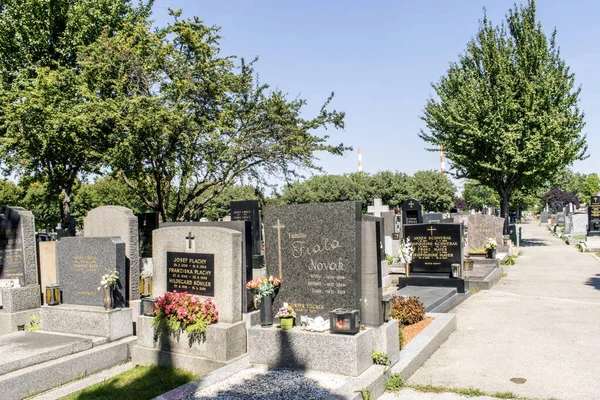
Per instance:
{"type": "Point", "coordinates": [316, 250]}
{"type": "Point", "coordinates": [82, 261]}
{"type": "Point", "coordinates": [247, 210]}
{"type": "Point", "coordinates": [204, 259]}
{"type": "Point", "coordinates": [377, 208]}
{"type": "Point", "coordinates": [560, 218]}
{"type": "Point", "coordinates": [412, 212]}
{"type": "Point", "coordinates": [117, 221]}
{"type": "Point", "coordinates": [594, 216]}
{"type": "Point", "coordinates": [147, 223]}
{"type": "Point", "coordinates": [544, 217]}
{"type": "Point", "coordinates": [18, 258]}
{"type": "Point", "coordinates": [580, 224]}
{"type": "Point", "coordinates": [247, 245]}
{"type": "Point", "coordinates": [436, 247]}
{"type": "Point", "coordinates": [481, 228]}
{"type": "Point", "coordinates": [432, 218]}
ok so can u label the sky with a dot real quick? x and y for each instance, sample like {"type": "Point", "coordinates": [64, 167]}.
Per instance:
{"type": "Point", "coordinates": [380, 58]}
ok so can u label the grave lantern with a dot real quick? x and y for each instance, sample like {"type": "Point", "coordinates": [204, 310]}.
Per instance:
{"type": "Point", "coordinates": [148, 306]}
{"type": "Point", "coordinates": [455, 270]}
{"type": "Point", "coordinates": [52, 295]}
{"type": "Point", "coordinates": [387, 308]}
{"type": "Point", "coordinates": [344, 321]}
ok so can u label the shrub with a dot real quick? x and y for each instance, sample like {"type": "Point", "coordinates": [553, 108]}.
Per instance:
{"type": "Point", "coordinates": [395, 383]}
{"type": "Point", "coordinates": [380, 358]}
{"type": "Point", "coordinates": [407, 310]}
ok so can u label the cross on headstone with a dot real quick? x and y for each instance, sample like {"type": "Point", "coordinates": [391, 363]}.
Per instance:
{"type": "Point", "coordinates": [189, 238]}
{"type": "Point", "coordinates": [279, 227]}
{"type": "Point", "coordinates": [377, 208]}
{"type": "Point", "coordinates": [431, 230]}
{"type": "Point", "coordinates": [411, 204]}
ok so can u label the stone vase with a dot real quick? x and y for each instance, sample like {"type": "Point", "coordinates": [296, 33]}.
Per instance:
{"type": "Point", "coordinates": [266, 311]}
{"type": "Point", "coordinates": [108, 298]}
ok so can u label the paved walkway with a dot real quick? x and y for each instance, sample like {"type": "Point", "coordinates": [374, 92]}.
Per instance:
{"type": "Point", "coordinates": [540, 324]}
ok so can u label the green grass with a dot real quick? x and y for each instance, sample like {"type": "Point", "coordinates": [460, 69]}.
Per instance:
{"type": "Point", "coordinates": [578, 237]}
{"type": "Point", "coordinates": [597, 253]}
{"type": "Point", "coordinates": [139, 383]}
{"type": "Point", "coordinates": [394, 383]}
{"type": "Point", "coordinates": [469, 392]}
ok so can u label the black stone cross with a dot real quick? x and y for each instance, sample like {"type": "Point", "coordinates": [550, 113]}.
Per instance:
{"type": "Point", "coordinates": [189, 239]}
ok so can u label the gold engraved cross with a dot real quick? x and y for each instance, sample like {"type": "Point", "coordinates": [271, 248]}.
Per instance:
{"type": "Point", "coordinates": [431, 230]}
{"type": "Point", "coordinates": [411, 204]}
{"type": "Point", "coordinates": [279, 227]}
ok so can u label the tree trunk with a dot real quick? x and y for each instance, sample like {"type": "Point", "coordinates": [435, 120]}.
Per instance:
{"type": "Point", "coordinates": [504, 198]}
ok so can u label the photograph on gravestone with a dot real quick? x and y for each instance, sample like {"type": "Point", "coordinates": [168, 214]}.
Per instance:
{"type": "Point", "coordinates": [12, 263]}
{"type": "Point", "coordinates": [316, 251]}
{"type": "Point", "coordinates": [191, 272]}
{"type": "Point", "coordinates": [436, 247]}
{"type": "Point", "coordinates": [412, 212]}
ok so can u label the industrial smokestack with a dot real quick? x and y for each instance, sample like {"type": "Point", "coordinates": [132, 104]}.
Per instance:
{"type": "Point", "coordinates": [442, 158]}
{"type": "Point", "coordinates": [359, 159]}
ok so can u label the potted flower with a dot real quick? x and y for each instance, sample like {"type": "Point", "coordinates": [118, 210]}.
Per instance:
{"type": "Point", "coordinates": [181, 312]}
{"type": "Point", "coordinates": [109, 282]}
{"type": "Point", "coordinates": [286, 315]}
{"type": "Point", "coordinates": [491, 247]}
{"type": "Point", "coordinates": [406, 254]}
{"type": "Point", "coordinates": [265, 290]}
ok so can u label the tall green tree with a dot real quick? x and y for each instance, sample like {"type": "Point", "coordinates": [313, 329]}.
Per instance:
{"type": "Point", "coordinates": [193, 122]}
{"type": "Point", "coordinates": [477, 195]}
{"type": "Point", "coordinates": [434, 190]}
{"type": "Point", "coordinates": [591, 186]}
{"type": "Point", "coordinates": [51, 127]}
{"type": "Point", "coordinates": [507, 111]}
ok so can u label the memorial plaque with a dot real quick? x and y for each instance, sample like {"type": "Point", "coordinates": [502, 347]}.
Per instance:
{"type": "Point", "coordinates": [431, 218]}
{"type": "Point", "coordinates": [191, 272]}
{"type": "Point", "coordinates": [316, 250]}
{"type": "Point", "coordinates": [247, 210]}
{"type": "Point", "coordinates": [147, 223]}
{"type": "Point", "coordinates": [18, 259]}
{"type": "Point", "coordinates": [436, 247]}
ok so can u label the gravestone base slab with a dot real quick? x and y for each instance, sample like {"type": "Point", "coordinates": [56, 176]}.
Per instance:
{"type": "Point", "coordinates": [10, 322]}
{"type": "Point", "coordinates": [87, 320]}
{"type": "Point", "coordinates": [348, 355]}
{"type": "Point", "coordinates": [592, 242]}
{"type": "Point", "coordinates": [222, 342]}
{"type": "Point", "coordinates": [432, 280]}
{"type": "Point", "coordinates": [21, 298]}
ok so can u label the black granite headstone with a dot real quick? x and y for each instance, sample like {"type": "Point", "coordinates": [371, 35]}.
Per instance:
{"type": "Point", "coordinates": [12, 264]}
{"type": "Point", "coordinates": [412, 212]}
{"type": "Point", "coordinates": [147, 223]}
{"type": "Point", "coordinates": [594, 216]}
{"type": "Point", "coordinates": [247, 210]}
{"type": "Point", "coordinates": [316, 250]}
{"type": "Point", "coordinates": [191, 272]}
{"type": "Point", "coordinates": [436, 247]}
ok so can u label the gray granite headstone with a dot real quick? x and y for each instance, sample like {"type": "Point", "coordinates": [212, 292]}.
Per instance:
{"type": "Point", "coordinates": [247, 243]}
{"type": "Point", "coordinates": [560, 218]}
{"type": "Point", "coordinates": [432, 218]}
{"type": "Point", "coordinates": [18, 257]}
{"type": "Point", "coordinates": [80, 264]}
{"type": "Point", "coordinates": [481, 227]}
{"type": "Point", "coordinates": [316, 250]}
{"type": "Point", "coordinates": [389, 222]}
{"type": "Point", "coordinates": [580, 224]}
{"type": "Point", "coordinates": [201, 242]}
{"type": "Point", "coordinates": [371, 311]}
{"type": "Point", "coordinates": [544, 217]}
{"type": "Point", "coordinates": [112, 221]}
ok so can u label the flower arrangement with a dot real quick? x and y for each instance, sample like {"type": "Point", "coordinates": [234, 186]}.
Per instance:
{"type": "Point", "coordinates": [286, 311]}
{"type": "Point", "coordinates": [180, 312]}
{"type": "Point", "coordinates": [491, 244]}
{"type": "Point", "coordinates": [406, 251]}
{"type": "Point", "coordinates": [261, 287]}
{"type": "Point", "coordinates": [109, 280]}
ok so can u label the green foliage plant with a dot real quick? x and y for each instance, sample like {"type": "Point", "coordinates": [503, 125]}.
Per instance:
{"type": "Point", "coordinates": [180, 312]}
{"type": "Point", "coordinates": [365, 393]}
{"type": "Point", "coordinates": [407, 310]}
{"type": "Point", "coordinates": [394, 383]}
{"type": "Point", "coordinates": [380, 358]}
{"type": "Point", "coordinates": [34, 323]}
{"type": "Point", "coordinates": [400, 337]}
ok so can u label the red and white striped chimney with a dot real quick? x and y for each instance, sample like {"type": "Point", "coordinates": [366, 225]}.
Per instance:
{"type": "Point", "coordinates": [359, 159]}
{"type": "Point", "coordinates": [442, 158]}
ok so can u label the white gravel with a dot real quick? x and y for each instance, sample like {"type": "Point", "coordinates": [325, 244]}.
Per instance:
{"type": "Point", "coordinates": [258, 384]}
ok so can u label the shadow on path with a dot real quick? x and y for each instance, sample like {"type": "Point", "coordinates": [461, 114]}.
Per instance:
{"type": "Point", "coordinates": [594, 281]}
{"type": "Point", "coordinates": [533, 243]}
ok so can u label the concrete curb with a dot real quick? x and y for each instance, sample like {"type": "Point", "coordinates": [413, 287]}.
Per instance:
{"type": "Point", "coordinates": [424, 344]}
